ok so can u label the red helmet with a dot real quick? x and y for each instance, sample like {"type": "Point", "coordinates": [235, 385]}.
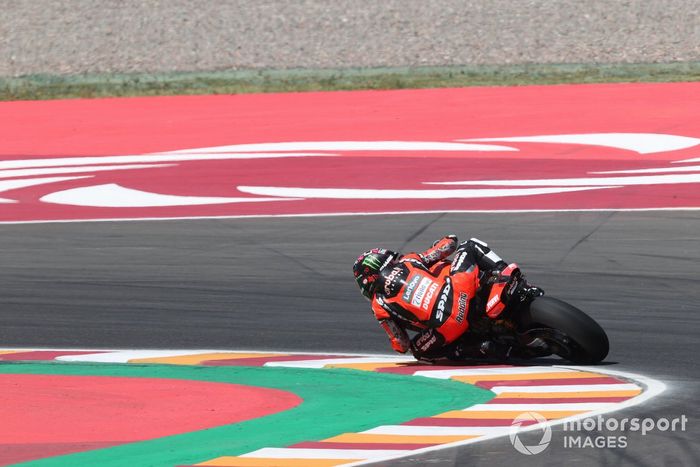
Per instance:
{"type": "Point", "coordinates": [368, 266]}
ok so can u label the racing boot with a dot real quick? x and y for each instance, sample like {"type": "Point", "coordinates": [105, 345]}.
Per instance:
{"type": "Point", "coordinates": [494, 350]}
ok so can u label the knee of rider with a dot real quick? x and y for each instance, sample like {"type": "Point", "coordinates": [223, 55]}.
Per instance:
{"type": "Point", "coordinates": [486, 257]}
{"type": "Point", "coordinates": [475, 244]}
{"type": "Point", "coordinates": [474, 249]}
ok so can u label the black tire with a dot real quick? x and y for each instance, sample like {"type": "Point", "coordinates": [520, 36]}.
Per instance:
{"type": "Point", "coordinates": [589, 342]}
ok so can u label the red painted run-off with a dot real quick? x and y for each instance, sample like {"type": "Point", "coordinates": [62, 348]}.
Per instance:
{"type": "Point", "coordinates": [65, 414]}
{"type": "Point", "coordinates": [136, 126]}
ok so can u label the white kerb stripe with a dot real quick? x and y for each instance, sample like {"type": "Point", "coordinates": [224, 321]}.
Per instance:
{"type": "Point", "coordinates": [539, 406]}
{"type": "Point", "coordinates": [301, 453]}
{"type": "Point", "coordinates": [125, 355]}
{"type": "Point", "coordinates": [516, 370]}
{"type": "Point", "coordinates": [437, 430]}
{"type": "Point", "coordinates": [566, 388]}
{"type": "Point", "coordinates": [335, 361]}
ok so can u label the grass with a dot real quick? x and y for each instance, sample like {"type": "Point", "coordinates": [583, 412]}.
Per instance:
{"type": "Point", "coordinates": [39, 87]}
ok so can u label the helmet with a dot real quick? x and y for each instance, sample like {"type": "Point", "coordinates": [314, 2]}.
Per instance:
{"type": "Point", "coordinates": [368, 266]}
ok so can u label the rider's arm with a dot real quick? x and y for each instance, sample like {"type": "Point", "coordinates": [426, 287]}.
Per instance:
{"type": "Point", "coordinates": [397, 335]}
{"type": "Point", "coordinates": [440, 250]}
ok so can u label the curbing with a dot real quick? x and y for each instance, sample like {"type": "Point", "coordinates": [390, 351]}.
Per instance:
{"type": "Point", "coordinates": [614, 390]}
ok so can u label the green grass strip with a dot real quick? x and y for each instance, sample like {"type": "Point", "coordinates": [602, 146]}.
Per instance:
{"type": "Point", "coordinates": [335, 401]}
{"type": "Point", "coordinates": [291, 80]}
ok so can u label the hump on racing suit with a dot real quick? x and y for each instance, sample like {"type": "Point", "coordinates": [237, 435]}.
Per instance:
{"type": "Point", "coordinates": [421, 292]}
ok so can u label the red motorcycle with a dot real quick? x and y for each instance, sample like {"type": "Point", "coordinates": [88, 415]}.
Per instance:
{"type": "Point", "coordinates": [526, 317]}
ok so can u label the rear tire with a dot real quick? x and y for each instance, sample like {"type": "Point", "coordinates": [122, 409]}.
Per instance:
{"type": "Point", "coordinates": [588, 342]}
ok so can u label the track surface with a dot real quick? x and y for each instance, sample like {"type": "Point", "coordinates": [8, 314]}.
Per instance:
{"type": "Point", "coordinates": [285, 284]}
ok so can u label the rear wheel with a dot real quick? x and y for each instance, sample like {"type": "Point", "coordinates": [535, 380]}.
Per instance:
{"type": "Point", "coordinates": [570, 332]}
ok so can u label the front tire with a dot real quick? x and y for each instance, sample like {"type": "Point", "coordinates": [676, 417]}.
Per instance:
{"type": "Point", "coordinates": [583, 340]}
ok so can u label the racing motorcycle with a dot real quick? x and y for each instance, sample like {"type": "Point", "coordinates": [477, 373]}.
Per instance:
{"type": "Point", "coordinates": [518, 317]}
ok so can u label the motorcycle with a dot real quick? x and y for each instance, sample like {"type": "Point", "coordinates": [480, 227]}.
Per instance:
{"type": "Point", "coordinates": [518, 317]}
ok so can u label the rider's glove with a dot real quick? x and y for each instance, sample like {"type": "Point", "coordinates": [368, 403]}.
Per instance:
{"type": "Point", "coordinates": [399, 339]}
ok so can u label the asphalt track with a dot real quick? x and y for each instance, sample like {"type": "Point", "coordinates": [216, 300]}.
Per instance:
{"type": "Point", "coordinates": [285, 284]}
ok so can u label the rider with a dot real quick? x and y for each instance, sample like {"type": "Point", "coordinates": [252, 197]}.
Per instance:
{"type": "Point", "coordinates": [422, 292]}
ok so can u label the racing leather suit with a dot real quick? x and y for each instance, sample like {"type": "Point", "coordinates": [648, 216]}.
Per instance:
{"type": "Point", "coordinates": [424, 293]}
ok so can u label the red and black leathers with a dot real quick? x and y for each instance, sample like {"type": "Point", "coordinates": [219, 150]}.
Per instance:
{"type": "Point", "coordinates": [424, 293]}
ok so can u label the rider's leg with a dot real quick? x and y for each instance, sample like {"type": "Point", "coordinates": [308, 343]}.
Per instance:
{"type": "Point", "coordinates": [476, 252]}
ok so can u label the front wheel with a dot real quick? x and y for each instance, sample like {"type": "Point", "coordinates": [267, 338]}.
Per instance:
{"type": "Point", "coordinates": [570, 332]}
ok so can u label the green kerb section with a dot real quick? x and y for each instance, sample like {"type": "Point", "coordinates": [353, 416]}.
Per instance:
{"type": "Point", "coordinates": [49, 86]}
{"type": "Point", "coordinates": [334, 401]}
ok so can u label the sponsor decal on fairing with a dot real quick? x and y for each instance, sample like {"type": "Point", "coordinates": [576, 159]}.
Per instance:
{"type": "Point", "coordinates": [410, 288]}
{"type": "Point", "coordinates": [420, 292]}
{"type": "Point", "coordinates": [429, 296]}
{"type": "Point", "coordinates": [442, 306]}
{"type": "Point", "coordinates": [461, 307]}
